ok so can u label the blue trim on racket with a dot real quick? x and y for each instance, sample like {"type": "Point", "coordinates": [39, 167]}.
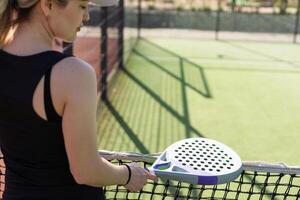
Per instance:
{"type": "Point", "coordinates": [198, 161]}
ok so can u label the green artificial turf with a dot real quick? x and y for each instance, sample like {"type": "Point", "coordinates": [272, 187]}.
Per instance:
{"type": "Point", "coordinates": [244, 94]}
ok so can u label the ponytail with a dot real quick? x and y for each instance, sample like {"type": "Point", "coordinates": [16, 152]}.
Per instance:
{"type": "Point", "coordinates": [6, 15]}
{"type": "Point", "coordinates": [3, 5]}
{"type": "Point", "coordinates": [13, 12]}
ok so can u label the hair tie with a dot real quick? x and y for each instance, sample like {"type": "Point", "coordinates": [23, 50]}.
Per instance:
{"type": "Point", "coordinates": [129, 174]}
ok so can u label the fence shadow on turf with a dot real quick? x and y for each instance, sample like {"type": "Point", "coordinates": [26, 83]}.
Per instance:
{"type": "Point", "coordinates": [142, 90]}
{"type": "Point", "coordinates": [140, 107]}
{"type": "Point", "coordinates": [186, 68]}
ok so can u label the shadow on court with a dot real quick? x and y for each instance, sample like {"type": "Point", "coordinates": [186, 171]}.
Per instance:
{"type": "Point", "coordinates": [147, 109]}
{"type": "Point", "coordinates": [156, 107]}
{"type": "Point", "coordinates": [133, 137]}
{"type": "Point", "coordinates": [183, 63]}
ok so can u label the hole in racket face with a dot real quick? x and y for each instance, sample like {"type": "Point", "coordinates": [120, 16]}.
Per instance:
{"type": "Point", "coordinates": [202, 156]}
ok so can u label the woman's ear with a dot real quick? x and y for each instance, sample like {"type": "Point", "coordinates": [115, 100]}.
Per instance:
{"type": "Point", "coordinates": [46, 6]}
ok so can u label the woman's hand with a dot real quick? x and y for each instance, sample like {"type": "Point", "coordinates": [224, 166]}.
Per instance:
{"type": "Point", "coordinates": [139, 177]}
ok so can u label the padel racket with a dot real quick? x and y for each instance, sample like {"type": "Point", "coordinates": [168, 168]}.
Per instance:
{"type": "Point", "coordinates": [198, 161]}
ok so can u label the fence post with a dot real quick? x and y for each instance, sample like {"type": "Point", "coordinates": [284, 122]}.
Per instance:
{"type": "Point", "coordinates": [218, 21]}
{"type": "Point", "coordinates": [296, 23]}
{"type": "Point", "coordinates": [139, 22]}
{"type": "Point", "coordinates": [103, 56]}
{"type": "Point", "coordinates": [121, 34]}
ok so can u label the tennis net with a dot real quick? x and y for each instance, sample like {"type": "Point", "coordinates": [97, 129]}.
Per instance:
{"type": "Point", "coordinates": [258, 181]}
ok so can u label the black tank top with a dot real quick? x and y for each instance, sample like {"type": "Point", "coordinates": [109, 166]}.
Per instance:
{"type": "Point", "coordinates": [36, 162]}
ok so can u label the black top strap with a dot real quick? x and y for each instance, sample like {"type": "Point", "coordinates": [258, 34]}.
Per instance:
{"type": "Point", "coordinates": [51, 113]}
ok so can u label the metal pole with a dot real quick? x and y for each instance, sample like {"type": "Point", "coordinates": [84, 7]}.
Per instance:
{"type": "Point", "coordinates": [218, 21]}
{"type": "Point", "coordinates": [297, 23]}
{"type": "Point", "coordinates": [103, 46]}
{"type": "Point", "coordinates": [121, 35]}
{"type": "Point", "coordinates": [139, 23]}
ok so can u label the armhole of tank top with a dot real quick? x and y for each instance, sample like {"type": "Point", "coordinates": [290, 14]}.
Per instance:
{"type": "Point", "coordinates": [50, 111]}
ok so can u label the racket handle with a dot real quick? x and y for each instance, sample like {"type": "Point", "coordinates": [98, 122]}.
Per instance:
{"type": "Point", "coordinates": [177, 176]}
{"type": "Point", "coordinates": [195, 179]}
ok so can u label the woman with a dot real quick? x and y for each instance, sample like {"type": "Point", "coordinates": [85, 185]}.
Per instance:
{"type": "Point", "coordinates": [48, 108]}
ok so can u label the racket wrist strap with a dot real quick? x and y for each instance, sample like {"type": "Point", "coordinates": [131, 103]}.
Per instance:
{"type": "Point", "coordinates": [129, 174]}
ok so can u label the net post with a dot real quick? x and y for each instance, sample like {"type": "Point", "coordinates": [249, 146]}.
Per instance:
{"type": "Point", "coordinates": [103, 53]}
{"type": "Point", "coordinates": [218, 21]}
{"type": "Point", "coordinates": [121, 35]}
{"type": "Point", "coordinates": [296, 23]}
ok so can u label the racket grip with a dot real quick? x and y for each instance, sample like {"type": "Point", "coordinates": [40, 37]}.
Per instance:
{"type": "Point", "coordinates": [182, 177]}
{"type": "Point", "coordinates": [149, 170]}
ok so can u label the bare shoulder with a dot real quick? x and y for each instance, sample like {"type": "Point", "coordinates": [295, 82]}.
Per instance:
{"type": "Point", "coordinates": [73, 75]}
{"type": "Point", "coordinates": [73, 66]}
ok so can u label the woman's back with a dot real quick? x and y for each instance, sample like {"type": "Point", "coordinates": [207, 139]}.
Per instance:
{"type": "Point", "coordinates": [48, 104]}
{"type": "Point", "coordinates": [33, 147]}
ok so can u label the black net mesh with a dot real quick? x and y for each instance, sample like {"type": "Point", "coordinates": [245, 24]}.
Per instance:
{"type": "Point", "coordinates": [98, 43]}
{"type": "Point", "coordinates": [251, 184]}
{"type": "Point", "coordinates": [107, 39]}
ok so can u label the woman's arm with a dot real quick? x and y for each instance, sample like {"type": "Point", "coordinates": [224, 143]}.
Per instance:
{"type": "Point", "coordinates": [79, 129]}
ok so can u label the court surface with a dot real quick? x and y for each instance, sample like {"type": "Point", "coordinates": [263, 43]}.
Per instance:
{"type": "Point", "coordinates": [244, 94]}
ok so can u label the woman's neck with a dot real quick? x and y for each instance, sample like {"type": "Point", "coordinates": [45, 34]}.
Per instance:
{"type": "Point", "coordinates": [30, 38]}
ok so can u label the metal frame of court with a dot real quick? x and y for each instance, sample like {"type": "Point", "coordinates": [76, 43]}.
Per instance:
{"type": "Point", "coordinates": [269, 184]}
{"type": "Point", "coordinates": [106, 22]}
{"type": "Point", "coordinates": [218, 22]}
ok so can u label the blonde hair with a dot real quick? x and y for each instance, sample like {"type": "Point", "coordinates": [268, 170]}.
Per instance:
{"type": "Point", "coordinates": [13, 12]}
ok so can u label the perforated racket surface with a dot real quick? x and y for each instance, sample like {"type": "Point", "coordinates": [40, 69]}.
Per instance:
{"type": "Point", "coordinates": [198, 161]}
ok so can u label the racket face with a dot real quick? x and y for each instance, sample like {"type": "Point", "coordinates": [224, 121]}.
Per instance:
{"type": "Point", "coordinates": [205, 161]}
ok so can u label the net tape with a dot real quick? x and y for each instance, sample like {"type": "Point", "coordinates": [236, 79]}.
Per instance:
{"type": "Point", "coordinates": [258, 180]}
{"type": "Point", "coordinates": [258, 166]}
